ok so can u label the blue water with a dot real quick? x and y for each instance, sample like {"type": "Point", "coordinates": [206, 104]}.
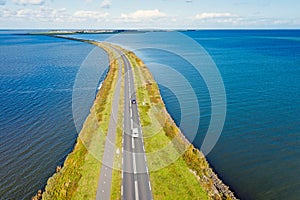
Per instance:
{"type": "Point", "coordinates": [258, 153]}
{"type": "Point", "coordinates": [259, 149]}
{"type": "Point", "coordinates": [36, 124]}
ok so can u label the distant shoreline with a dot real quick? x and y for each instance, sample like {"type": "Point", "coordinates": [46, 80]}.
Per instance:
{"type": "Point", "coordinates": [116, 31]}
{"type": "Point", "coordinates": [217, 187]}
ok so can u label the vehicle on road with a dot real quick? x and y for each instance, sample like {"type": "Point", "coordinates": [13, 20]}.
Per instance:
{"type": "Point", "coordinates": [133, 101]}
{"type": "Point", "coordinates": [135, 132]}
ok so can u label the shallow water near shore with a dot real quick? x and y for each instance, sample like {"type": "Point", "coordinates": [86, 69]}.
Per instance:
{"type": "Point", "coordinates": [258, 153]}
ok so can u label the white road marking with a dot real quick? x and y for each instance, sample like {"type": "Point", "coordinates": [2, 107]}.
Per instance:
{"type": "Point", "coordinates": [134, 163]}
{"type": "Point", "coordinates": [132, 143]}
{"type": "Point", "coordinates": [136, 190]}
{"type": "Point", "coordinates": [131, 82]}
{"type": "Point", "coordinates": [150, 186]}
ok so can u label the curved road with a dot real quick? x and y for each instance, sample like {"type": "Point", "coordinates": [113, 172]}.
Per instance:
{"type": "Point", "coordinates": [135, 176]}
{"type": "Point", "coordinates": [105, 178]}
{"type": "Point", "coordinates": [136, 182]}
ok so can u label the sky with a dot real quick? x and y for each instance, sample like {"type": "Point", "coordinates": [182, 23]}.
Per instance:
{"type": "Point", "coordinates": [146, 14]}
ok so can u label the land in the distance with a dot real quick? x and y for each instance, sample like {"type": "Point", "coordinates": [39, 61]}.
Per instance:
{"type": "Point", "coordinates": [103, 31]}
{"type": "Point", "coordinates": [188, 177]}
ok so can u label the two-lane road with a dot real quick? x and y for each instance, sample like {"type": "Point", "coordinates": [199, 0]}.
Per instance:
{"type": "Point", "coordinates": [135, 176]}
{"type": "Point", "coordinates": [136, 182]}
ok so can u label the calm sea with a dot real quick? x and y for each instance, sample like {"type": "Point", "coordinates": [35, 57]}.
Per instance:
{"type": "Point", "coordinates": [37, 131]}
{"type": "Point", "coordinates": [258, 153]}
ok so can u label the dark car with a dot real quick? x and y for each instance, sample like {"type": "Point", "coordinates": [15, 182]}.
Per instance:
{"type": "Point", "coordinates": [133, 101]}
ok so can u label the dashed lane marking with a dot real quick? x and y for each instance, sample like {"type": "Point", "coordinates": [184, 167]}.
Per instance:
{"type": "Point", "coordinates": [136, 190]}
{"type": "Point", "coordinates": [150, 186]}
{"type": "Point", "coordinates": [134, 163]}
{"type": "Point", "coordinates": [132, 143]}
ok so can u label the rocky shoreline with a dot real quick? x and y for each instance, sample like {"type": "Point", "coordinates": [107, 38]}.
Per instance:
{"type": "Point", "coordinates": [213, 185]}
{"type": "Point", "coordinates": [218, 189]}
{"type": "Point", "coordinates": [217, 186]}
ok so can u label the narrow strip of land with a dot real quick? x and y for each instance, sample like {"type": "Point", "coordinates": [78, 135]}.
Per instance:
{"type": "Point", "coordinates": [136, 181]}
{"type": "Point", "coordinates": [186, 177]}
{"type": "Point", "coordinates": [135, 178]}
{"type": "Point", "coordinates": [105, 178]}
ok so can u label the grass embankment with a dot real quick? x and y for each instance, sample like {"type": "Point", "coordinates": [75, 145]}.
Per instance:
{"type": "Point", "coordinates": [78, 178]}
{"type": "Point", "coordinates": [117, 171]}
{"type": "Point", "coordinates": [177, 169]}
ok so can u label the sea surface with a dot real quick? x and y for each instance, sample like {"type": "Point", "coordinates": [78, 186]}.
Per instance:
{"type": "Point", "coordinates": [257, 154]}
{"type": "Point", "coordinates": [37, 131]}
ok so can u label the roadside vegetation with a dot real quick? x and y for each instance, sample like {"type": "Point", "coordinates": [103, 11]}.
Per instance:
{"type": "Point", "coordinates": [117, 171]}
{"type": "Point", "coordinates": [186, 174]}
{"type": "Point", "coordinates": [177, 170]}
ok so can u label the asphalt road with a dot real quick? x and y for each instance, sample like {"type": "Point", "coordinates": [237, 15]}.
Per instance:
{"type": "Point", "coordinates": [135, 176]}
{"type": "Point", "coordinates": [135, 183]}
{"type": "Point", "coordinates": [105, 178]}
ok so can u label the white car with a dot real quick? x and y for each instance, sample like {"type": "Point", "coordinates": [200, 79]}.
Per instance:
{"type": "Point", "coordinates": [135, 132]}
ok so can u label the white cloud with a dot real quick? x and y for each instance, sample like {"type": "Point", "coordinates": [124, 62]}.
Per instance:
{"type": "Point", "coordinates": [41, 14]}
{"type": "Point", "coordinates": [6, 13]}
{"type": "Point", "coordinates": [229, 20]}
{"type": "Point", "coordinates": [143, 14]}
{"type": "Point", "coordinates": [218, 19]}
{"type": "Point", "coordinates": [105, 4]}
{"type": "Point", "coordinates": [204, 16]}
{"type": "Point", "coordinates": [86, 14]}
{"type": "Point", "coordinates": [29, 2]}
{"type": "Point", "coordinates": [46, 14]}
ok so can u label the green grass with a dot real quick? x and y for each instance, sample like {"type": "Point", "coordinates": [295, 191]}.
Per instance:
{"type": "Point", "coordinates": [175, 182]}
{"type": "Point", "coordinates": [176, 167]}
{"type": "Point", "coordinates": [117, 171]}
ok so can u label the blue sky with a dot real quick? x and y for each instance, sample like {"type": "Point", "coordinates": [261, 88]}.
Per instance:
{"type": "Point", "coordinates": [146, 14]}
